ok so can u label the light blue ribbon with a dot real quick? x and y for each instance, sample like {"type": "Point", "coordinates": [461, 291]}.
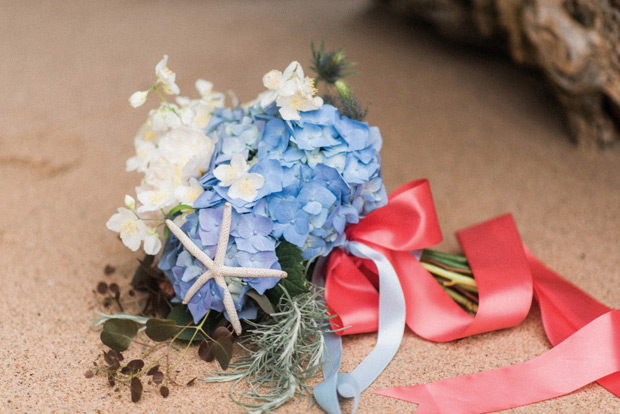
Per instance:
{"type": "Point", "coordinates": [390, 334]}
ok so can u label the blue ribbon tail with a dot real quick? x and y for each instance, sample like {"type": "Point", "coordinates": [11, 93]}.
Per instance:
{"type": "Point", "coordinates": [390, 334]}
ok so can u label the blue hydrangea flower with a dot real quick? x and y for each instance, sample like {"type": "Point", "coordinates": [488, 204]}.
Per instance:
{"type": "Point", "coordinates": [321, 173]}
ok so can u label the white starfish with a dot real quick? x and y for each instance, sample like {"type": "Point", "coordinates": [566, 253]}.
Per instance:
{"type": "Point", "coordinates": [216, 269]}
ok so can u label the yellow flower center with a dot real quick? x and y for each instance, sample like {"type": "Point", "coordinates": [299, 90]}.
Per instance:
{"type": "Point", "coordinates": [312, 87]}
{"type": "Point", "coordinates": [246, 187]}
{"type": "Point", "coordinates": [202, 120]}
{"type": "Point", "coordinates": [231, 173]}
{"type": "Point", "coordinates": [193, 194]}
{"type": "Point", "coordinates": [157, 196]}
{"type": "Point", "coordinates": [297, 101]}
{"type": "Point", "coordinates": [129, 228]}
{"type": "Point", "coordinates": [150, 136]}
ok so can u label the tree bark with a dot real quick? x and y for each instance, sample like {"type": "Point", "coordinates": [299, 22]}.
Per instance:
{"type": "Point", "coordinates": [575, 43]}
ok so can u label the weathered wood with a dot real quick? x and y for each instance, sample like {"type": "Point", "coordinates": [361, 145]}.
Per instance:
{"type": "Point", "coordinates": [575, 43]}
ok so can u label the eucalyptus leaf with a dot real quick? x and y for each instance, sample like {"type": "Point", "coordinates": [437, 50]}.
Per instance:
{"type": "Point", "coordinates": [118, 333]}
{"type": "Point", "coordinates": [141, 320]}
{"type": "Point", "coordinates": [133, 367]}
{"type": "Point", "coordinates": [262, 301]}
{"type": "Point", "coordinates": [222, 350]}
{"type": "Point", "coordinates": [182, 317]}
{"type": "Point", "coordinates": [136, 389]}
{"type": "Point", "coordinates": [205, 351]}
{"type": "Point", "coordinates": [158, 377]}
{"type": "Point", "coordinates": [164, 391]}
{"type": "Point", "coordinates": [220, 332]}
{"type": "Point", "coordinates": [160, 330]}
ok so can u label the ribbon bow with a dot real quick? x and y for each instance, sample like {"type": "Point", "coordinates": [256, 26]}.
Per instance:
{"type": "Point", "coordinates": [399, 290]}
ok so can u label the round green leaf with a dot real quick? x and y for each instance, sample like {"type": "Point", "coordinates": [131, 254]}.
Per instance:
{"type": "Point", "coordinates": [118, 333]}
{"type": "Point", "coordinates": [160, 330]}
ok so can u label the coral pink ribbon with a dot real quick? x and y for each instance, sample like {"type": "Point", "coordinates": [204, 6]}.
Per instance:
{"type": "Point", "coordinates": [584, 332]}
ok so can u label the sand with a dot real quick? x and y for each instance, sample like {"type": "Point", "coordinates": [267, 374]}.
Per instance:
{"type": "Point", "coordinates": [487, 135]}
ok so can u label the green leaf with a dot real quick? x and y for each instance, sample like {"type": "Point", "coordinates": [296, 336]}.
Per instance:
{"type": "Point", "coordinates": [262, 301]}
{"type": "Point", "coordinates": [182, 317]}
{"type": "Point", "coordinates": [178, 208]}
{"type": "Point", "coordinates": [291, 261]}
{"type": "Point", "coordinates": [222, 350]}
{"type": "Point", "coordinates": [160, 330]}
{"type": "Point", "coordinates": [118, 333]}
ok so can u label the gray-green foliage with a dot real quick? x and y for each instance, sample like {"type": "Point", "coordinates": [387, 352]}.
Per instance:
{"type": "Point", "coordinates": [283, 354]}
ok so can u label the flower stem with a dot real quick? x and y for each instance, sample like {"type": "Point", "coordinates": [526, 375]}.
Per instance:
{"type": "Point", "coordinates": [453, 276]}
{"type": "Point", "coordinates": [462, 300]}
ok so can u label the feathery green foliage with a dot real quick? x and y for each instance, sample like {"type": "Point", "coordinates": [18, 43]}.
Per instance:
{"type": "Point", "coordinates": [283, 354]}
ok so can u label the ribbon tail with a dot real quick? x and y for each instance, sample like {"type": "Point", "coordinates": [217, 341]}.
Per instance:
{"type": "Point", "coordinates": [565, 308]}
{"type": "Point", "coordinates": [588, 355]}
{"type": "Point", "coordinates": [326, 393]}
{"type": "Point", "coordinates": [391, 329]}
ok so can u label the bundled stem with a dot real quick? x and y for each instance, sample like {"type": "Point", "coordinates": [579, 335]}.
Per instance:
{"type": "Point", "coordinates": [454, 275]}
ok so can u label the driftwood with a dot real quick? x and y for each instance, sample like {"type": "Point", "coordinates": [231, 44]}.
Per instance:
{"type": "Point", "coordinates": [575, 43]}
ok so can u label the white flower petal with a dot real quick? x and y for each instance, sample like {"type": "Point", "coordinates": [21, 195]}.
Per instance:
{"type": "Point", "coordinates": [131, 241]}
{"type": "Point", "coordinates": [292, 69]}
{"type": "Point", "coordinates": [267, 98]}
{"type": "Point", "coordinates": [114, 223]}
{"type": "Point", "coordinates": [152, 244]}
{"type": "Point", "coordinates": [256, 180]}
{"type": "Point", "coordinates": [166, 77]}
{"type": "Point", "coordinates": [204, 87]}
{"type": "Point", "coordinates": [289, 114]}
{"type": "Point", "coordinates": [272, 79]}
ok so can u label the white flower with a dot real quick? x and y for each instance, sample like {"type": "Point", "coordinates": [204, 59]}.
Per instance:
{"type": "Point", "coordinates": [228, 174]}
{"type": "Point", "coordinates": [164, 118]}
{"type": "Point", "coordinates": [180, 145]}
{"type": "Point", "coordinates": [291, 91]}
{"type": "Point", "coordinates": [161, 171]}
{"type": "Point", "coordinates": [145, 153]}
{"type": "Point", "coordinates": [138, 98]}
{"type": "Point", "coordinates": [153, 200]}
{"type": "Point", "coordinates": [152, 243]}
{"type": "Point", "coordinates": [245, 187]}
{"type": "Point", "coordinates": [290, 106]}
{"type": "Point", "coordinates": [197, 113]}
{"type": "Point", "coordinates": [279, 83]}
{"type": "Point", "coordinates": [130, 202]}
{"type": "Point", "coordinates": [187, 194]}
{"type": "Point", "coordinates": [205, 89]}
{"type": "Point", "coordinates": [166, 77]}
{"type": "Point", "coordinates": [132, 230]}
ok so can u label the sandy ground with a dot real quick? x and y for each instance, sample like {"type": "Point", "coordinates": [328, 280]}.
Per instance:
{"type": "Point", "coordinates": [487, 135]}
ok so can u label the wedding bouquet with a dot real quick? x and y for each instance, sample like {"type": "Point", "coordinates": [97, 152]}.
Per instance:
{"type": "Point", "coordinates": [268, 222]}
{"type": "Point", "coordinates": [270, 186]}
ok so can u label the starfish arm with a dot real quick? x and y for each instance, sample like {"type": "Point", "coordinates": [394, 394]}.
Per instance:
{"type": "Point", "coordinates": [229, 305]}
{"type": "Point", "coordinates": [222, 243]}
{"type": "Point", "coordinates": [204, 278]}
{"type": "Point", "coordinates": [252, 272]}
{"type": "Point", "coordinates": [189, 244]}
